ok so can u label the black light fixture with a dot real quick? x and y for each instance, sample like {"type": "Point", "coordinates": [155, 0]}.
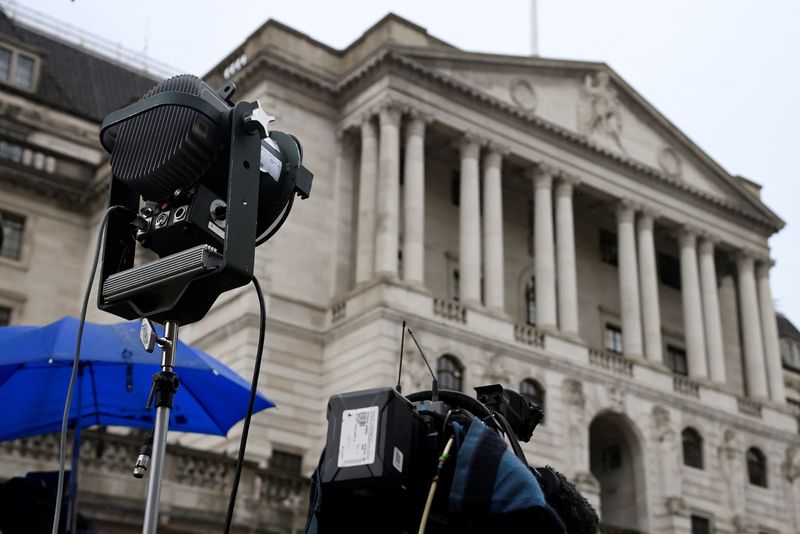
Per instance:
{"type": "Point", "coordinates": [204, 182]}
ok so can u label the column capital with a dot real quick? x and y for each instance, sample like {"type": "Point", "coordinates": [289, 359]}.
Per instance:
{"type": "Point", "coordinates": [493, 147]}
{"type": "Point", "coordinates": [565, 185]}
{"type": "Point", "coordinates": [389, 113]}
{"type": "Point", "coordinates": [626, 210]}
{"type": "Point", "coordinates": [469, 144]}
{"type": "Point", "coordinates": [544, 168]}
{"type": "Point", "coordinates": [745, 258]}
{"type": "Point", "coordinates": [493, 158]}
{"type": "Point", "coordinates": [763, 266]}
{"type": "Point", "coordinates": [417, 114]}
{"type": "Point", "coordinates": [687, 235]}
{"type": "Point", "coordinates": [647, 218]}
{"type": "Point", "coordinates": [707, 244]}
{"type": "Point", "coordinates": [415, 126]}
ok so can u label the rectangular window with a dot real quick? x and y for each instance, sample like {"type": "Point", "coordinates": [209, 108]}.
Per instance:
{"type": "Point", "coordinates": [669, 270]}
{"type": "Point", "coordinates": [613, 338]}
{"type": "Point", "coordinates": [701, 525]}
{"type": "Point", "coordinates": [5, 316]}
{"type": "Point", "coordinates": [608, 247]}
{"type": "Point", "coordinates": [676, 360]}
{"type": "Point", "coordinates": [454, 285]}
{"type": "Point", "coordinates": [286, 462]}
{"type": "Point", "coordinates": [23, 74]}
{"type": "Point", "coordinates": [12, 227]}
{"type": "Point", "coordinates": [5, 64]}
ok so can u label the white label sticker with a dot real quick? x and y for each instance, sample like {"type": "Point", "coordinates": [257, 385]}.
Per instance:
{"type": "Point", "coordinates": [397, 459]}
{"type": "Point", "coordinates": [270, 164]}
{"type": "Point", "coordinates": [359, 437]}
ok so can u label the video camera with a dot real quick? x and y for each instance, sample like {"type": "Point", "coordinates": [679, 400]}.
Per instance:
{"type": "Point", "coordinates": [437, 461]}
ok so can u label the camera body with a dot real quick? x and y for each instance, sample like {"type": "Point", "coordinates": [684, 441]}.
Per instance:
{"type": "Point", "coordinates": [382, 451]}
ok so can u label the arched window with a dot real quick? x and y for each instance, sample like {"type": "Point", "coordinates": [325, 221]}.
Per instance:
{"type": "Point", "coordinates": [530, 301]}
{"type": "Point", "coordinates": [692, 448]}
{"type": "Point", "coordinates": [533, 392]}
{"type": "Point", "coordinates": [449, 373]}
{"type": "Point", "coordinates": [756, 467]}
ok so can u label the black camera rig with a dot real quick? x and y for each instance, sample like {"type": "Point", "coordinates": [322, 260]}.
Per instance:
{"type": "Point", "coordinates": [436, 461]}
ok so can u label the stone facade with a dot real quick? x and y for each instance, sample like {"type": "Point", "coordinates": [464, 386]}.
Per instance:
{"type": "Point", "coordinates": [532, 220]}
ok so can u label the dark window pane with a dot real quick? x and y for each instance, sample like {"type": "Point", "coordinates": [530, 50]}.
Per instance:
{"type": "Point", "coordinates": [5, 316]}
{"type": "Point", "coordinates": [613, 339]}
{"type": "Point", "coordinates": [455, 288]}
{"type": "Point", "coordinates": [12, 227]}
{"type": "Point", "coordinates": [757, 467]}
{"type": "Point", "coordinates": [449, 373]}
{"type": "Point", "coordinates": [5, 64]}
{"type": "Point", "coordinates": [700, 525]}
{"type": "Point", "coordinates": [669, 270]}
{"type": "Point", "coordinates": [286, 462]}
{"type": "Point", "coordinates": [608, 247]}
{"type": "Point", "coordinates": [676, 360]}
{"type": "Point", "coordinates": [533, 392]}
{"type": "Point", "coordinates": [692, 448]}
{"type": "Point", "coordinates": [23, 76]}
{"type": "Point", "coordinates": [530, 302]}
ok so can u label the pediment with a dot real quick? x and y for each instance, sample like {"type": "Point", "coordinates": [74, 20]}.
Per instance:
{"type": "Point", "coordinates": [591, 100]}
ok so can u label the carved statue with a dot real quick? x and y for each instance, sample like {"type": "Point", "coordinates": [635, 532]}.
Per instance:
{"type": "Point", "coordinates": [603, 115]}
{"type": "Point", "coordinates": [730, 461]}
{"type": "Point", "coordinates": [669, 452]}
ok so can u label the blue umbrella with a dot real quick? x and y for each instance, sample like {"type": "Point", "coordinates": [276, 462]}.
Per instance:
{"type": "Point", "coordinates": [113, 384]}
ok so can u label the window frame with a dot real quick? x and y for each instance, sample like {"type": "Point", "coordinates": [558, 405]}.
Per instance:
{"type": "Point", "coordinates": [618, 346]}
{"type": "Point", "coordinates": [763, 465]}
{"type": "Point", "coordinates": [692, 457]}
{"type": "Point", "coordinates": [704, 517]}
{"type": "Point", "coordinates": [8, 311]}
{"type": "Point", "coordinates": [23, 221]}
{"type": "Point", "coordinates": [669, 353]}
{"type": "Point", "coordinates": [456, 372]}
{"type": "Point", "coordinates": [530, 303]}
{"type": "Point", "coordinates": [15, 53]}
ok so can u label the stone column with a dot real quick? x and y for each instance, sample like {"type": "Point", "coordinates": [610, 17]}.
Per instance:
{"type": "Point", "coordinates": [367, 187]}
{"type": "Point", "coordinates": [628, 281]}
{"type": "Point", "coordinates": [651, 311]}
{"type": "Point", "coordinates": [752, 340]}
{"type": "Point", "coordinates": [414, 202]}
{"type": "Point", "coordinates": [769, 329]}
{"type": "Point", "coordinates": [493, 250]}
{"type": "Point", "coordinates": [565, 257]}
{"type": "Point", "coordinates": [711, 315]}
{"type": "Point", "coordinates": [692, 306]}
{"type": "Point", "coordinates": [543, 247]}
{"type": "Point", "coordinates": [388, 219]}
{"type": "Point", "coordinates": [469, 248]}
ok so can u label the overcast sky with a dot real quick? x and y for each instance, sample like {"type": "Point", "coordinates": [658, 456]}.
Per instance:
{"type": "Point", "coordinates": [726, 72]}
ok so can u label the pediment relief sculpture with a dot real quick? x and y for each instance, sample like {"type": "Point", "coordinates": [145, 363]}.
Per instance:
{"type": "Point", "coordinates": [523, 95]}
{"type": "Point", "coordinates": [600, 115]}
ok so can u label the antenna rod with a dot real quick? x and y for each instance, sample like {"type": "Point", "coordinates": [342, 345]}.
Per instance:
{"type": "Point", "coordinates": [398, 388]}
{"type": "Point", "coordinates": [435, 383]}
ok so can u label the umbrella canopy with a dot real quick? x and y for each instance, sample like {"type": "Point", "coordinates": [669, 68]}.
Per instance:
{"type": "Point", "coordinates": [114, 382]}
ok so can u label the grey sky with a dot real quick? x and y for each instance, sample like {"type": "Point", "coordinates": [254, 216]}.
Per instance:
{"type": "Point", "coordinates": [725, 72]}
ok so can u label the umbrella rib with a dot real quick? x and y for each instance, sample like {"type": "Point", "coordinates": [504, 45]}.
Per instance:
{"type": "Point", "coordinates": [205, 408]}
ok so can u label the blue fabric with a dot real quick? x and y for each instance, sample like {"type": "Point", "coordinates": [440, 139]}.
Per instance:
{"type": "Point", "coordinates": [114, 382]}
{"type": "Point", "coordinates": [489, 478]}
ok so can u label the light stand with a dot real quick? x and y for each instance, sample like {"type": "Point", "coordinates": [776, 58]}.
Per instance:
{"type": "Point", "coordinates": [165, 384]}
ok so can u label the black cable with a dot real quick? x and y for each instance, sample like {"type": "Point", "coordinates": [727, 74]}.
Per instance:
{"type": "Point", "coordinates": [62, 454]}
{"type": "Point", "coordinates": [253, 389]}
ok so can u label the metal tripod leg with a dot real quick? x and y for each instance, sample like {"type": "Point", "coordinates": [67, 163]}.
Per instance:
{"type": "Point", "coordinates": [165, 385]}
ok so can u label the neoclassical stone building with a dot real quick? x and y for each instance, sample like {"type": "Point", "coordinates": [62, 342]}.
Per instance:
{"type": "Point", "coordinates": [538, 224]}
